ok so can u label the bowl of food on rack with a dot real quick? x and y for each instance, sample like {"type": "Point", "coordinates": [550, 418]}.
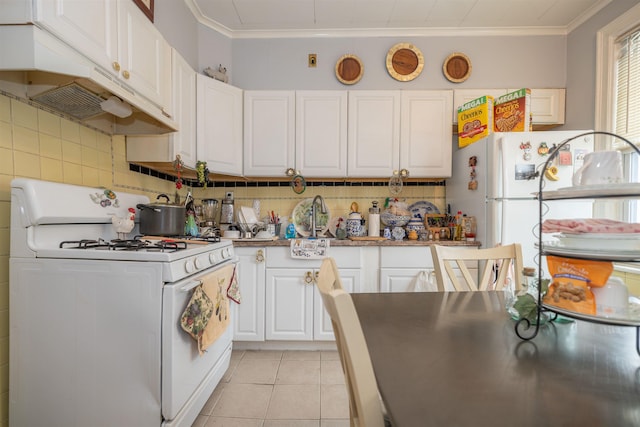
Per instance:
{"type": "Point", "coordinates": [396, 215]}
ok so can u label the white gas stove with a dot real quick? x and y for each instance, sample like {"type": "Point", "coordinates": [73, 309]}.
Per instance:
{"type": "Point", "coordinates": [95, 336]}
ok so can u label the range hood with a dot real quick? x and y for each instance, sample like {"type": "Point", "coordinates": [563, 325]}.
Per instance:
{"type": "Point", "coordinates": [37, 66]}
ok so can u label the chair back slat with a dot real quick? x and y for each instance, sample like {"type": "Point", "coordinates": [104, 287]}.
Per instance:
{"type": "Point", "coordinates": [496, 266]}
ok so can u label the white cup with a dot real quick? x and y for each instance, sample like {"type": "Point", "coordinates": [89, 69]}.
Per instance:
{"type": "Point", "coordinates": [612, 300]}
{"type": "Point", "coordinates": [600, 167]}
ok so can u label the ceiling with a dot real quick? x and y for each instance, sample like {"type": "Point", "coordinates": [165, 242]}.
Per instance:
{"type": "Point", "coordinates": [314, 18]}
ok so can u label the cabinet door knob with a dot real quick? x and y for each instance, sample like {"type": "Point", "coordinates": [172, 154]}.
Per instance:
{"type": "Point", "coordinates": [316, 275]}
{"type": "Point", "coordinates": [115, 65]}
{"type": "Point", "coordinates": [308, 278]}
{"type": "Point", "coordinates": [260, 256]}
{"type": "Point", "coordinates": [126, 74]}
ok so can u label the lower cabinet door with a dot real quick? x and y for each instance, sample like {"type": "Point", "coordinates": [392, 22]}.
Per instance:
{"type": "Point", "coordinates": [323, 330]}
{"type": "Point", "coordinates": [289, 304]}
{"type": "Point", "coordinates": [404, 279]}
{"type": "Point", "coordinates": [248, 323]}
{"type": "Point", "coordinates": [294, 309]}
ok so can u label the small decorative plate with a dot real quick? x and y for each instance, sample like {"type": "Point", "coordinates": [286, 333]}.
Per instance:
{"type": "Point", "coordinates": [404, 62]}
{"type": "Point", "coordinates": [457, 67]}
{"type": "Point", "coordinates": [349, 69]}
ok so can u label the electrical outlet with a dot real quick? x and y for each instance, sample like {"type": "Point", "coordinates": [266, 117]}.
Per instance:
{"type": "Point", "coordinates": [313, 60]}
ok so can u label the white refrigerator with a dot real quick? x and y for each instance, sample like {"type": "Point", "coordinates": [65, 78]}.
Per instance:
{"type": "Point", "coordinates": [507, 175]}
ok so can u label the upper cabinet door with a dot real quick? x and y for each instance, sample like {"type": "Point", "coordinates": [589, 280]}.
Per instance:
{"type": "Point", "coordinates": [269, 132]}
{"type": "Point", "coordinates": [144, 55]}
{"type": "Point", "coordinates": [321, 133]}
{"type": "Point", "coordinates": [547, 106]}
{"type": "Point", "coordinates": [118, 37]}
{"type": "Point", "coordinates": [373, 133]}
{"type": "Point", "coordinates": [88, 26]}
{"type": "Point", "coordinates": [219, 126]}
{"type": "Point", "coordinates": [184, 108]}
{"type": "Point", "coordinates": [426, 133]}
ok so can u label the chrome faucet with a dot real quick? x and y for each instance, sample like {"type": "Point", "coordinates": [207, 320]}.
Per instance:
{"type": "Point", "coordinates": [323, 209]}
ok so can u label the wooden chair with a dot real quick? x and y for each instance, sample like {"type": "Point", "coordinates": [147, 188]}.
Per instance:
{"type": "Point", "coordinates": [365, 406]}
{"type": "Point", "coordinates": [494, 266]}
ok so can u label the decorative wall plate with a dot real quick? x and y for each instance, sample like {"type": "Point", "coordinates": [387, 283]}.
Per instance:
{"type": "Point", "coordinates": [349, 69]}
{"type": "Point", "coordinates": [457, 67]}
{"type": "Point", "coordinates": [404, 62]}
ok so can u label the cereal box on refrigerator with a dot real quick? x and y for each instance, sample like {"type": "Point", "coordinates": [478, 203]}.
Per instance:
{"type": "Point", "coordinates": [512, 112]}
{"type": "Point", "coordinates": [475, 120]}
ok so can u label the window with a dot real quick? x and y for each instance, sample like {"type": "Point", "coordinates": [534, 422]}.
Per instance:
{"type": "Point", "coordinates": [627, 72]}
{"type": "Point", "coordinates": [618, 93]}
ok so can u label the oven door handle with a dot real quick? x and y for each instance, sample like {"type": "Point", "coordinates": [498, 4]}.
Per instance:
{"type": "Point", "coordinates": [190, 285]}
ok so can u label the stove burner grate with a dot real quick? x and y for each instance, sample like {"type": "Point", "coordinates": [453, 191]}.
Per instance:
{"type": "Point", "coordinates": [125, 245]}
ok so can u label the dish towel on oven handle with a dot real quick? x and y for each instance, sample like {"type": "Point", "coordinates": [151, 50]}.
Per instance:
{"type": "Point", "coordinates": [211, 322]}
{"type": "Point", "coordinates": [196, 316]}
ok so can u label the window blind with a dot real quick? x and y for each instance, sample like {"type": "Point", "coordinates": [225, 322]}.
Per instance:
{"type": "Point", "coordinates": [627, 114]}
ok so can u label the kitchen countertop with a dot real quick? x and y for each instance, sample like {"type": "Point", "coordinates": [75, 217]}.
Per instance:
{"type": "Point", "coordinates": [348, 242]}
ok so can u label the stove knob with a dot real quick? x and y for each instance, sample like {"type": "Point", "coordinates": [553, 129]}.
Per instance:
{"type": "Point", "coordinates": [189, 267]}
{"type": "Point", "coordinates": [212, 258]}
{"type": "Point", "coordinates": [226, 253]}
{"type": "Point", "coordinates": [199, 264]}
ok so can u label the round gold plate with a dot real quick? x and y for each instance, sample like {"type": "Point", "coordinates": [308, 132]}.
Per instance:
{"type": "Point", "coordinates": [349, 69]}
{"type": "Point", "coordinates": [457, 67]}
{"type": "Point", "coordinates": [404, 62]}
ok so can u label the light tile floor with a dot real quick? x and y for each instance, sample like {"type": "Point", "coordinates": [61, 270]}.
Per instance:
{"type": "Point", "coordinates": [279, 389]}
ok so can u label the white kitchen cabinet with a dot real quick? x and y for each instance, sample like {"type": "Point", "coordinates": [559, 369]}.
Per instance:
{"type": "Point", "coordinates": [294, 309]}
{"type": "Point", "coordinates": [547, 106]}
{"type": "Point", "coordinates": [393, 130]}
{"type": "Point", "coordinates": [165, 148]}
{"type": "Point", "coordinates": [401, 267]}
{"type": "Point", "coordinates": [219, 124]}
{"type": "Point", "coordinates": [248, 323]}
{"type": "Point", "coordinates": [321, 133]}
{"type": "Point", "coordinates": [304, 130]}
{"type": "Point", "coordinates": [425, 133]}
{"type": "Point", "coordinates": [269, 132]}
{"type": "Point", "coordinates": [373, 133]}
{"type": "Point", "coordinates": [118, 37]}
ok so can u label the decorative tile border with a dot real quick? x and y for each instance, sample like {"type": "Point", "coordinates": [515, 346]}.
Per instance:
{"type": "Point", "coordinates": [249, 184]}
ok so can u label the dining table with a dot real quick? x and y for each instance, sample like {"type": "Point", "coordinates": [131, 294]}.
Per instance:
{"type": "Point", "coordinates": [453, 359]}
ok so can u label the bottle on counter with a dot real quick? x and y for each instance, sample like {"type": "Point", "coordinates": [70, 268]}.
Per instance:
{"type": "Point", "coordinates": [458, 226]}
{"type": "Point", "coordinates": [374, 220]}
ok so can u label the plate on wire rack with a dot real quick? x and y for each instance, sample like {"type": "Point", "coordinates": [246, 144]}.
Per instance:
{"type": "Point", "coordinates": [423, 208]}
{"type": "Point", "coordinates": [302, 218]}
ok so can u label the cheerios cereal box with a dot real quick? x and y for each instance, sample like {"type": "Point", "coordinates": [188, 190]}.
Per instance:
{"type": "Point", "coordinates": [475, 120]}
{"type": "Point", "coordinates": [512, 112]}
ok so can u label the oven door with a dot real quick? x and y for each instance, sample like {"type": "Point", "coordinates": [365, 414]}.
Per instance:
{"type": "Point", "coordinates": [188, 378]}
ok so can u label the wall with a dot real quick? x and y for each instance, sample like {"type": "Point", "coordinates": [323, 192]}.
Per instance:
{"type": "Point", "coordinates": [498, 62]}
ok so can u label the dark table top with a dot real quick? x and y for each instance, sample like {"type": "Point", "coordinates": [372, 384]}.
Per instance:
{"type": "Point", "coordinates": [453, 359]}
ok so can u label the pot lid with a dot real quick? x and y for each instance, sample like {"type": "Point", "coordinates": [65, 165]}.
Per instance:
{"type": "Point", "coordinates": [404, 62]}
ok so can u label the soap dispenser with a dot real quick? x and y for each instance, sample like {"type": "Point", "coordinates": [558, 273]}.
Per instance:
{"type": "Point", "coordinates": [374, 220]}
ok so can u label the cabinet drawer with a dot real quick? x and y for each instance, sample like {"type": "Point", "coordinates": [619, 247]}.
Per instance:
{"type": "Point", "coordinates": [280, 257]}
